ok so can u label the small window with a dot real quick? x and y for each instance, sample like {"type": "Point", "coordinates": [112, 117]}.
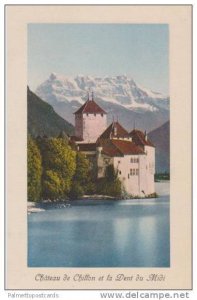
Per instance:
{"type": "Point", "coordinates": [128, 176]}
{"type": "Point", "coordinates": [94, 114]}
{"type": "Point", "coordinates": [137, 171]}
{"type": "Point", "coordinates": [101, 115]}
{"type": "Point", "coordinates": [119, 162]}
{"type": "Point", "coordinates": [87, 115]}
{"type": "Point", "coordinates": [131, 160]}
{"type": "Point", "coordinates": [120, 172]}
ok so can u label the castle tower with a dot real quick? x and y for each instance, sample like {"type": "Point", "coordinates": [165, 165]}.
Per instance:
{"type": "Point", "coordinates": [90, 121]}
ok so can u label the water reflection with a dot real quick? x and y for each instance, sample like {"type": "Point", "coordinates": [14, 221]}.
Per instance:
{"type": "Point", "coordinates": [110, 234]}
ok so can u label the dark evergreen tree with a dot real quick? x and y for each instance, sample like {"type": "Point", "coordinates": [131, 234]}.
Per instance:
{"type": "Point", "coordinates": [81, 180]}
{"type": "Point", "coordinates": [34, 170]}
{"type": "Point", "coordinates": [110, 185]}
{"type": "Point", "coordinates": [110, 173]}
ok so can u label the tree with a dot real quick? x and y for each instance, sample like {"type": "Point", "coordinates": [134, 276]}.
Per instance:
{"type": "Point", "coordinates": [82, 169]}
{"type": "Point", "coordinates": [59, 164]}
{"type": "Point", "coordinates": [110, 185]}
{"type": "Point", "coordinates": [34, 170]}
{"type": "Point", "coordinates": [52, 185]}
{"type": "Point", "coordinates": [77, 190]}
{"type": "Point", "coordinates": [82, 181]}
{"type": "Point", "coordinates": [110, 173]}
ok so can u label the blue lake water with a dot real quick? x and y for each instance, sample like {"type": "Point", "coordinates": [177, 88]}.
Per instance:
{"type": "Point", "coordinates": [103, 233]}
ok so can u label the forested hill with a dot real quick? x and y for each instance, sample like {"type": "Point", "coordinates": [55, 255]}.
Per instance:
{"type": "Point", "coordinates": [43, 120]}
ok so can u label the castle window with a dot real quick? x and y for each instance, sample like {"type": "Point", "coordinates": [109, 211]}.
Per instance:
{"type": "Point", "coordinates": [101, 115]}
{"type": "Point", "coordinates": [132, 172]}
{"type": "Point", "coordinates": [131, 160]}
{"type": "Point", "coordinates": [119, 162]}
{"type": "Point", "coordinates": [94, 114]}
{"type": "Point", "coordinates": [128, 176]}
{"type": "Point", "coordinates": [120, 172]}
{"type": "Point", "coordinates": [87, 115]}
{"type": "Point", "coordinates": [136, 160]}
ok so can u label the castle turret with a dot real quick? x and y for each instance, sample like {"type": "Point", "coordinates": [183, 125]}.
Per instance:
{"type": "Point", "coordinates": [90, 121]}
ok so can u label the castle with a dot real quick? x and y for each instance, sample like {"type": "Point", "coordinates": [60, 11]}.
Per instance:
{"type": "Point", "coordinates": [132, 154]}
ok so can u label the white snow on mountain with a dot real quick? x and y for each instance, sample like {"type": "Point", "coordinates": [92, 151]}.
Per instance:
{"type": "Point", "coordinates": [120, 90]}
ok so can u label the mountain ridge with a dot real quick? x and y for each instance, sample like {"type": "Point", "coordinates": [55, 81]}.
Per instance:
{"type": "Point", "coordinates": [43, 120]}
{"type": "Point", "coordinates": [119, 95]}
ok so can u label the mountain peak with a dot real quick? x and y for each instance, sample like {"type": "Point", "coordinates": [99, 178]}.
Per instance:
{"type": "Point", "coordinates": [120, 90]}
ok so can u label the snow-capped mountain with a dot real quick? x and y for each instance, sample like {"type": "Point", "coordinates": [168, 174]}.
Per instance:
{"type": "Point", "coordinates": [118, 95]}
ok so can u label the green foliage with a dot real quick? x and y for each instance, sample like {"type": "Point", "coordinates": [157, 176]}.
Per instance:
{"type": "Point", "coordinates": [57, 172]}
{"type": "Point", "coordinates": [109, 185]}
{"type": "Point", "coordinates": [110, 173]}
{"type": "Point", "coordinates": [52, 185]}
{"type": "Point", "coordinates": [76, 191]}
{"type": "Point", "coordinates": [115, 188]}
{"type": "Point", "coordinates": [34, 171]}
{"type": "Point", "coordinates": [82, 180]}
{"type": "Point", "coordinates": [82, 169]}
{"type": "Point", "coordinates": [60, 160]}
{"type": "Point", "coordinates": [91, 186]}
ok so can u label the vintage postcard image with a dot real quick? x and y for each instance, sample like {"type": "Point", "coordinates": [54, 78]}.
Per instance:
{"type": "Point", "coordinates": [101, 203]}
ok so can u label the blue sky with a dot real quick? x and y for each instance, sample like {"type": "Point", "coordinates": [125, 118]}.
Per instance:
{"type": "Point", "coordinates": [137, 50]}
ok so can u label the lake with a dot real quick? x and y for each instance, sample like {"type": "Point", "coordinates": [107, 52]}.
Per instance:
{"type": "Point", "coordinates": [102, 233]}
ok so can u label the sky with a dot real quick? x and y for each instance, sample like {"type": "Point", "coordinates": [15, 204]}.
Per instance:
{"type": "Point", "coordinates": [139, 51]}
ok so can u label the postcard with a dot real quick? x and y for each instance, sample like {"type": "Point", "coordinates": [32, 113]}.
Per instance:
{"type": "Point", "coordinates": [99, 105]}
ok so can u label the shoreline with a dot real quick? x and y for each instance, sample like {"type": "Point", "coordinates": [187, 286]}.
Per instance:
{"type": "Point", "coordinates": [35, 207]}
{"type": "Point", "coordinates": [41, 207]}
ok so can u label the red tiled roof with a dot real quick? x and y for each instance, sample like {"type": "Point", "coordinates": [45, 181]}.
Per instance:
{"type": "Point", "coordinates": [138, 137]}
{"type": "Point", "coordinates": [90, 107]}
{"type": "Point", "coordinates": [120, 148]}
{"type": "Point", "coordinates": [127, 147]}
{"type": "Point", "coordinates": [114, 130]}
{"type": "Point", "coordinates": [109, 148]}
{"type": "Point", "coordinates": [87, 147]}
